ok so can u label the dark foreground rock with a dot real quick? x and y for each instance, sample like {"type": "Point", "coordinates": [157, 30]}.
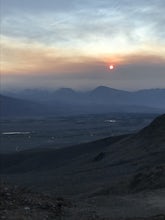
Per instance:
{"type": "Point", "coordinates": [156, 217]}
{"type": "Point", "coordinates": [20, 203]}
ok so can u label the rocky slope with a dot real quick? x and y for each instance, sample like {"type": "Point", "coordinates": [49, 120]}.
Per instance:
{"type": "Point", "coordinates": [104, 178]}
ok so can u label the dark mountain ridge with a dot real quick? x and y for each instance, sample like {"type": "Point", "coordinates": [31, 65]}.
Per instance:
{"type": "Point", "coordinates": [155, 129]}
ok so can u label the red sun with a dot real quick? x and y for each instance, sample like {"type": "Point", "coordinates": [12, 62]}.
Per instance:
{"type": "Point", "coordinates": [111, 67]}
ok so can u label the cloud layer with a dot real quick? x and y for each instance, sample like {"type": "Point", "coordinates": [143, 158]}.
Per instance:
{"type": "Point", "coordinates": [74, 41]}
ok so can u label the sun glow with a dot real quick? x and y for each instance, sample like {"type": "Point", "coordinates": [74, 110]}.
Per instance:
{"type": "Point", "coordinates": [111, 67]}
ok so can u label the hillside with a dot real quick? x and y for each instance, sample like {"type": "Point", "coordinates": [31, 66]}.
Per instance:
{"type": "Point", "coordinates": [126, 169]}
{"type": "Point", "coordinates": [131, 152]}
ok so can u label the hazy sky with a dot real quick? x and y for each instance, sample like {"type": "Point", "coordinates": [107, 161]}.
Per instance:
{"type": "Point", "coordinates": [71, 43]}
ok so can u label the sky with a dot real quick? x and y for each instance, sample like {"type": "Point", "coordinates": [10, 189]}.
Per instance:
{"type": "Point", "coordinates": [72, 43]}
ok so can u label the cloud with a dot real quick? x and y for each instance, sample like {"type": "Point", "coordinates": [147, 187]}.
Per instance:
{"type": "Point", "coordinates": [52, 22]}
{"type": "Point", "coordinates": [22, 58]}
{"type": "Point", "coordinates": [74, 41]}
{"type": "Point", "coordinates": [141, 67]}
{"type": "Point", "coordinates": [36, 65]}
{"type": "Point", "coordinates": [9, 6]}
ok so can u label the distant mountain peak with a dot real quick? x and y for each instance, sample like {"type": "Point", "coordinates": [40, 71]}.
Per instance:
{"type": "Point", "coordinates": [65, 90]}
{"type": "Point", "coordinates": [104, 88]}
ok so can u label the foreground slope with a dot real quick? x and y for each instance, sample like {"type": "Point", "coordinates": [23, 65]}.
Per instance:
{"type": "Point", "coordinates": [104, 177]}
{"type": "Point", "coordinates": [101, 161]}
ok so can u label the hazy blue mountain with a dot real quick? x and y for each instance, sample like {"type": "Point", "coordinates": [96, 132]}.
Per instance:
{"type": "Point", "coordinates": [100, 95]}
{"type": "Point", "coordinates": [68, 95]}
{"type": "Point", "coordinates": [106, 95]}
{"type": "Point", "coordinates": [104, 90]}
{"type": "Point", "coordinates": [31, 94]}
{"type": "Point", "coordinates": [100, 100]}
{"type": "Point", "coordinates": [150, 97]}
{"type": "Point", "coordinates": [111, 98]}
{"type": "Point", "coordinates": [19, 107]}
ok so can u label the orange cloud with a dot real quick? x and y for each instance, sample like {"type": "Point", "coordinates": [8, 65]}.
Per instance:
{"type": "Point", "coordinates": [20, 58]}
{"type": "Point", "coordinates": [24, 59]}
{"type": "Point", "coordinates": [136, 59]}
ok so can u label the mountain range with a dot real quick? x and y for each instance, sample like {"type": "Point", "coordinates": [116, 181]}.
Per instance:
{"type": "Point", "coordinates": [68, 101]}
